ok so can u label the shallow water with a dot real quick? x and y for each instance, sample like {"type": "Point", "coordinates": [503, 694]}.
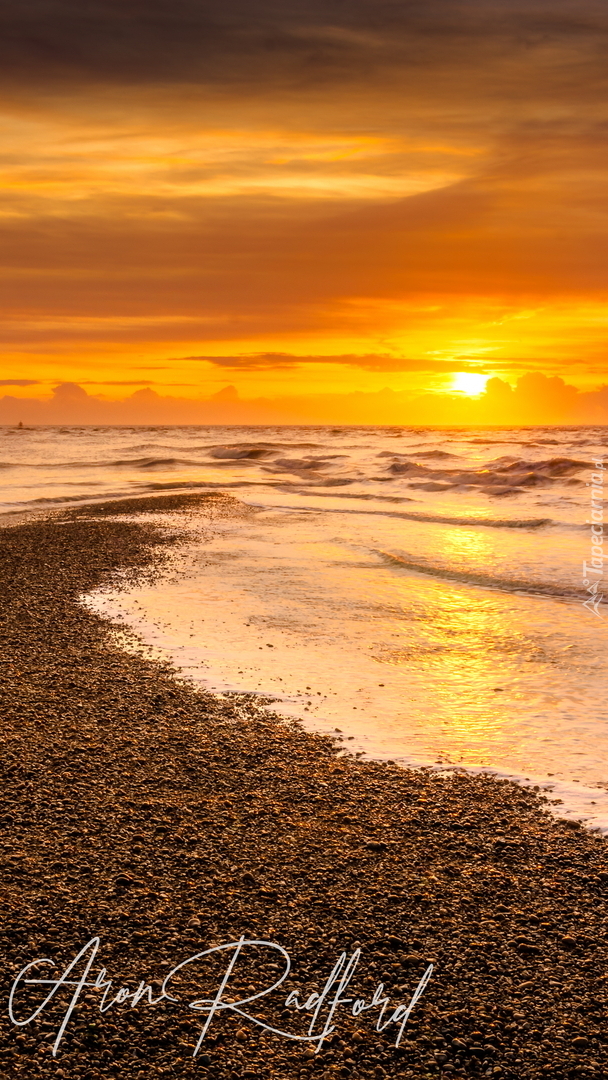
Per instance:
{"type": "Point", "coordinates": [421, 591]}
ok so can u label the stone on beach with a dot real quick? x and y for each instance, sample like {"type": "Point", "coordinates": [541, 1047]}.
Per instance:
{"type": "Point", "coordinates": [167, 821]}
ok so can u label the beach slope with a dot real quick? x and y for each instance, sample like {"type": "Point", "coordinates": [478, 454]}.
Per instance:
{"type": "Point", "coordinates": [166, 821]}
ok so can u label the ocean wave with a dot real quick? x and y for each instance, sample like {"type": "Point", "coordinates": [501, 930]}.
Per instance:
{"type": "Point", "coordinates": [405, 468]}
{"type": "Point", "coordinates": [419, 454]}
{"type": "Point", "coordinates": [555, 466]}
{"type": "Point", "coordinates": [293, 464]}
{"type": "Point", "coordinates": [499, 477]}
{"type": "Point", "coordinates": [139, 463]}
{"type": "Point", "coordinates": [434, 485]}
{"type": "Point", "coordinates": [313, 483]}
{"type": "Point", "coordinates": [151, 462]}
{"type": "Point", "coordinates": [143, 489]}
{"type": "Point", "coordinates": [157, 447]}
{"type": "Point", "coordinates": [513, 442]}
{"type": "Point", "coordinates": [414, 515]}
{"type": "Point", "coordinates": [435, 454]}
{"type": "Point", "coordinates": [307, 464]}
{"type": "Point", "coordinates": [365, 496]}
{"type": "Point", "coordinates": [551, 590]}
{"type": "Point", "coordinates": [56, 500]}
{"type": "Point", "coordinates": [235, 451]}
{"type": "Point", "coordinates": [201, 485]}
{"type": "Point", "coordinates": [490, 523]}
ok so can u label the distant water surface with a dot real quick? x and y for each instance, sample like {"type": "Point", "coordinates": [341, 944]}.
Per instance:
{"type": "Point", "coordinates": [420, 590]}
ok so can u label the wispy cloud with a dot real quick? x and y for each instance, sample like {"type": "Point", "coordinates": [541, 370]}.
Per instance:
{"type": "Point", "coordinates": [18, 382]}
{"type": "Point", "coordinates": [280, 361]}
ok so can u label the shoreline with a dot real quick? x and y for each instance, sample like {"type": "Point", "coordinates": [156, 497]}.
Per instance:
{"type": "Point", "coordinates": [584, 800]}
{"type": "Point", "coordinates": [166, 820]}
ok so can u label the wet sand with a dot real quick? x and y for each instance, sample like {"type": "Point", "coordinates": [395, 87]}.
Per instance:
{"type": "Point", "coordinates": [166, 821]}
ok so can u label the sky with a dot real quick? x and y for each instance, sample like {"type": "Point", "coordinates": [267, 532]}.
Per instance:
{"type": "Point", "coordinates": [366, 211]}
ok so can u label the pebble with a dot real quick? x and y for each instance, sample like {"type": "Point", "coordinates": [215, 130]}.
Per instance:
{"type": "Point", "coordinates": [166, 820]}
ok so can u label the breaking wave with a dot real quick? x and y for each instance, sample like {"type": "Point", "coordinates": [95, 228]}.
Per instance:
{"type": "Point", "coordinates": [488, 581]}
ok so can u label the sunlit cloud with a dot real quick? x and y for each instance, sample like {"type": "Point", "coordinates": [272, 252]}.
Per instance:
{"type": "Point", "coordinates": [48, 160]}
{"type": "Point", "coordinates": [313, 197]}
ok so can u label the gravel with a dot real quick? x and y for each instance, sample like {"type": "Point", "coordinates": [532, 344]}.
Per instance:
{"type": "Point", "coordinates": [167, 821]}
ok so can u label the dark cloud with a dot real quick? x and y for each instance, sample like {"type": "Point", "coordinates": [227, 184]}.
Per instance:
{"type": "Point", "coordinates": [134, 382]}
{"type": "Point", "coordinates": [280, 361]}
{"type": "Point", "coordinates": [292, 42]}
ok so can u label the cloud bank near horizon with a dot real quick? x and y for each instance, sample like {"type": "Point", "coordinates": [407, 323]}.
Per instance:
{"type": "Point", "coordinates": [535, 399]}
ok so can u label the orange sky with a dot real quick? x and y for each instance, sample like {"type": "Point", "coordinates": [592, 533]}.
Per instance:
{"type": "Point", "coordinates": [302, 198]}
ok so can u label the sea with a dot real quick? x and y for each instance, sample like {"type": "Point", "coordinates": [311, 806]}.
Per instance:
{"type": "Point", "coordinates": [431, 597]}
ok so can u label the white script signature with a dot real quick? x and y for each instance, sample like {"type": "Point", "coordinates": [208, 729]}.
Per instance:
{"type": "Point", "coordinates": [323, 1006]}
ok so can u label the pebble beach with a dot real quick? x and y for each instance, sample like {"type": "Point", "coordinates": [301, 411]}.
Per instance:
{"type": "Point", "coordinates": [165, 821]}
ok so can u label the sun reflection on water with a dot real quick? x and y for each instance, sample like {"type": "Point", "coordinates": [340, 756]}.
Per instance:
{"type": "Point", "coordinates": [306, 610]}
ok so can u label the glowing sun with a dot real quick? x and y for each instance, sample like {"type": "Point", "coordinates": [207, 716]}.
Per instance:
{"type": "Point", "coordinates": [465, 382]}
